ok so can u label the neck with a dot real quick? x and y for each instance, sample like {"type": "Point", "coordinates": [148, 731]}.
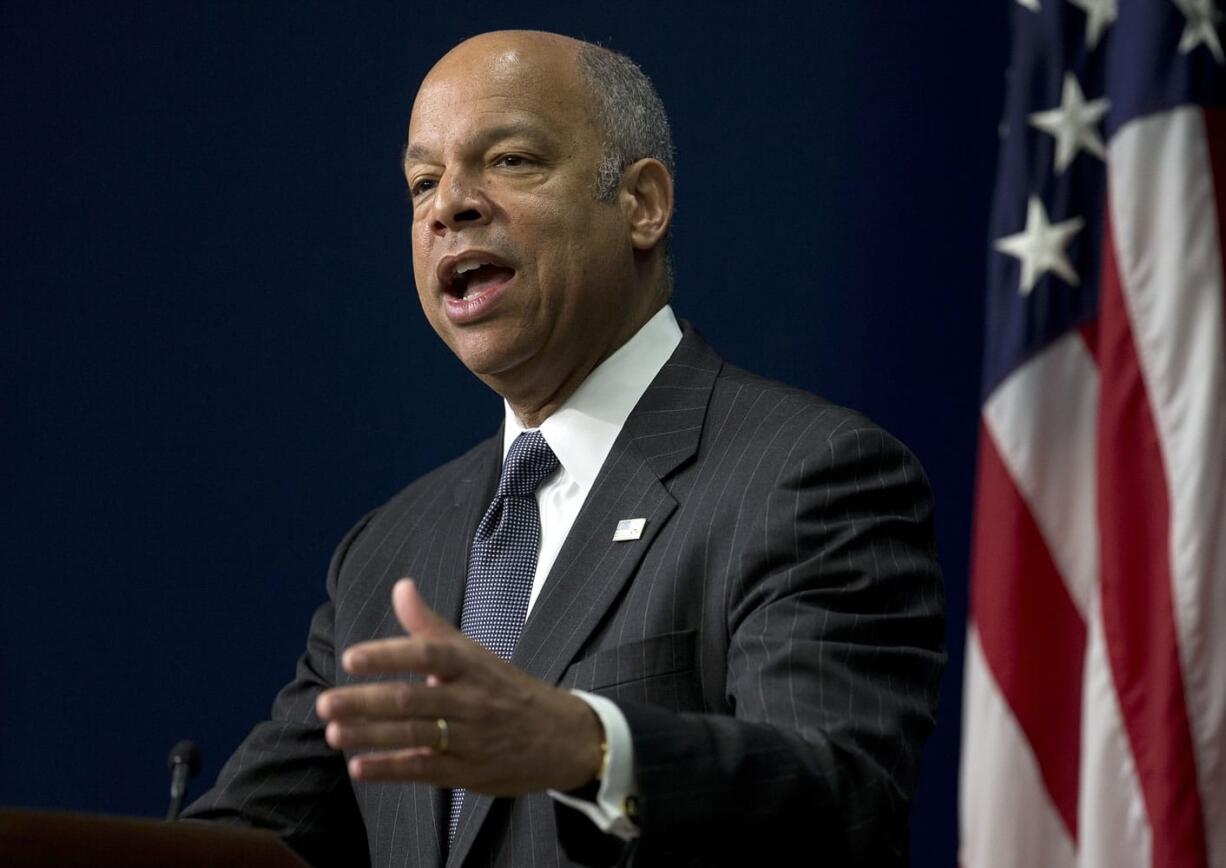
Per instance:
{"type": "Point", "coordinates": [533, 410]}
{"type": "Point", "coordinates": [542, 392]}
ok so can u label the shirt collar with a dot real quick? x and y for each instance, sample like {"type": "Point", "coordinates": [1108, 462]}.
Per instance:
{"type": "Point", "coordinates": [581, 432]}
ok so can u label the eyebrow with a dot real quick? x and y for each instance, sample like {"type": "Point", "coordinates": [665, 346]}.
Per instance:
{"type": "Point", "coordinates": [419, 153]}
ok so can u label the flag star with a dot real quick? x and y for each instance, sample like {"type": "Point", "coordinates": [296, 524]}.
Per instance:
{"type": "Point", "coordinates": [1099, 15]}
{"type": "Point", "coordinates": [1074, 124]}
{"type": "Point", "coordinates": [1201, 26]}
{"type": "Point", "coordinates": [1040, 246]}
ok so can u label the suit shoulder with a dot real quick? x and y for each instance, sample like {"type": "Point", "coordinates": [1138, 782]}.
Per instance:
{"type": "Point", "coordinates": [787, 413]}
{"type": "Point", "coordinates": [783, 432]}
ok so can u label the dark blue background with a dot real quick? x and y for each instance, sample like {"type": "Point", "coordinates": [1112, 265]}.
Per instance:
{"type": "Point", "coordinates": [213, 361]}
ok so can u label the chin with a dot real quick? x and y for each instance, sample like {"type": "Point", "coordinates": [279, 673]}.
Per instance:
{"type": "Point", "coordinates": [489, 358]}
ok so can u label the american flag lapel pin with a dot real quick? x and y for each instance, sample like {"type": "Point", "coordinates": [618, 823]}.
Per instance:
{"type": "Point", "coordinates": [628, 529]}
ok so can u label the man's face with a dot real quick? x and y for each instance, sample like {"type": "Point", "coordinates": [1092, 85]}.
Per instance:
{"type": "Point", "coordinates": [519, 268]}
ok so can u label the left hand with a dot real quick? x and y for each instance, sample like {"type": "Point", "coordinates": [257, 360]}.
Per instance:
{"type": "Point", "coordinates": [508, 733]}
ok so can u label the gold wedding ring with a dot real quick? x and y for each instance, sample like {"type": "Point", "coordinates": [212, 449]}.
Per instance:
{"type": "Point", "coordinates": [444, 735]}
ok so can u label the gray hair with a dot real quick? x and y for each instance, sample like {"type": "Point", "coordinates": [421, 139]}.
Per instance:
{"type": "Point", "coordinates": [629, 113]}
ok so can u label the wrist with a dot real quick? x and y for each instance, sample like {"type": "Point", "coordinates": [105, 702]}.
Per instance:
{"type": "Point", "coordinates": [591, 750]}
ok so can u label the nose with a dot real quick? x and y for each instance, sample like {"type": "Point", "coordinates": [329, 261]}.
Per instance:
{"type": "Point", "coordinates": [459, 202]}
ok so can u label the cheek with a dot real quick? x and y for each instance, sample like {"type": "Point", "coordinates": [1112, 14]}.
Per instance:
{"type": "Point", "coordinates": [421, 259]}
{"type": "Point", "coordinates": [570, 235]}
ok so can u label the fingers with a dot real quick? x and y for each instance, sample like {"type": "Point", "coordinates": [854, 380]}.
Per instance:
{"type": "Point", "coordinates": [395, 700]}
{"type": "Point", "coordinates": [445, 659]}
{"type": "Point", "coordinates": [433, 647]}
{"type": "Point", "coordinates": [413, 764]}
{"type": "Point", "coordinates": [491, 741]}
{"type": "Point", "coordinates": [417, 618]}
{"type": "Point", "coordinates": [419, 733]}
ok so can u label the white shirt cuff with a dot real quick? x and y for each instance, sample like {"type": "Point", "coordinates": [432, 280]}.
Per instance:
{"type": "Point", "coordinates": [616, 800]}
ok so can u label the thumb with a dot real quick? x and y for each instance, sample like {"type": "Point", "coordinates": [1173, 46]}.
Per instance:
{"type": "Point", "coordinates": [414, 614]}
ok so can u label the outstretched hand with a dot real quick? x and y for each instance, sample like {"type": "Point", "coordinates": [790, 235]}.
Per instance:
{"type": "Point", "coordinates": [506, 733]}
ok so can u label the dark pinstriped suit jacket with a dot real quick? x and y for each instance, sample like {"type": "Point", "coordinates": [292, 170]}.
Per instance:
{"type": "Point", "coordinates": [774, 639]}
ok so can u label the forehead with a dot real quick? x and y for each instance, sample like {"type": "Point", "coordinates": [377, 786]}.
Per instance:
{"type": "Point", "coordinates": [468, 92]}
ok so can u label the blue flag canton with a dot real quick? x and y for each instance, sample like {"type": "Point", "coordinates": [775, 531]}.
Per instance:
{"type": "Point", "coordinates": [1081, 69]}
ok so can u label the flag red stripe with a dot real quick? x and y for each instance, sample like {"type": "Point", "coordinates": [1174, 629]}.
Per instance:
{"type": "Point", "coordinates": [1215, 137]}
{"type": "Point", "coordinates": [1032, 635]}
{"type": "Point", "coordinates": [1137, 609]}
{"type": "Point", "coordinates": [1089, 336]}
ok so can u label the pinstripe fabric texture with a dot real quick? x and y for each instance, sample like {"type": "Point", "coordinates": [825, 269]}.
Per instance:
{"type": "Point", "coordinates": [774, 639]}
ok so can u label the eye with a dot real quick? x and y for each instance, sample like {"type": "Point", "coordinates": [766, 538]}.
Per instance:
{"type": "Point", "coordinates": [420, 186]}
{"type": "Point", "coordinates": [512, 161]}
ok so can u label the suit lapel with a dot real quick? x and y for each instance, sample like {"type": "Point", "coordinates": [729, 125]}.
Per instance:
{"type": "Point", "coordinates": [472, 494]}
{"type": "Point", "coordinates": [592, 570]}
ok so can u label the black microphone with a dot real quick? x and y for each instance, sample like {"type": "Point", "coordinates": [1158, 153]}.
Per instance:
{"type": "Point", "coordinates": [183, 762]}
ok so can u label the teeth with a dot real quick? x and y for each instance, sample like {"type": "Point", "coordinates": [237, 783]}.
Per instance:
{"type": "Point", "coordinates": [468, 266]}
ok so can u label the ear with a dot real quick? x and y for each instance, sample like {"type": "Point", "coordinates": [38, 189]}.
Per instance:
{"type": "Point", "coordinates": [646, 197]}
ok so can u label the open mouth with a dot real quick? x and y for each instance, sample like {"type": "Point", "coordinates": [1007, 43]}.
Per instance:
{"type": "Point", "coordinates": [471, 279]}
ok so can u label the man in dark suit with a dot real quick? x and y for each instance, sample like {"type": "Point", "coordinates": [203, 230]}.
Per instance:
{"type": "Point", "coordinates": [725, 612]}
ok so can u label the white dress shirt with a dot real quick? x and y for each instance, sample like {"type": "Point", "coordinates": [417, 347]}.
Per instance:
{"type": "Point", "coordinates": [581, 433]}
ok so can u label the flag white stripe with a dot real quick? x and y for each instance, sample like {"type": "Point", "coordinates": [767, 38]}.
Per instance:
{"type": "Point", "coordinates": [1007, 818]}
{"type": "Point", "coordinates": [1043, 421]}
{"type": "Point", "coordinates": [1112, 826]}
{"type": "Point", "coordinates": [1165, 219]}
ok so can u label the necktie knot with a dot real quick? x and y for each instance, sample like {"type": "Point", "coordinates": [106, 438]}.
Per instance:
{"type": "Point", "coordinates": [528, 463]}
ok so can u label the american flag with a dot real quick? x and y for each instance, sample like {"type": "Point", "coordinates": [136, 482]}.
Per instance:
{"type": "Point", "coordinates": [1094, 729]}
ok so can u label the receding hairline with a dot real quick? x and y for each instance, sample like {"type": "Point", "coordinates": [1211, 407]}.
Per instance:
{"type": "Point", "coordinates": [553, 56]}
{"type": "Point", "coordinates": [529, 44]}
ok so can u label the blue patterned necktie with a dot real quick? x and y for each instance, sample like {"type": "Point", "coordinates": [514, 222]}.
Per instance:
{"type": "Point", "coordinates": [502, 560]}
